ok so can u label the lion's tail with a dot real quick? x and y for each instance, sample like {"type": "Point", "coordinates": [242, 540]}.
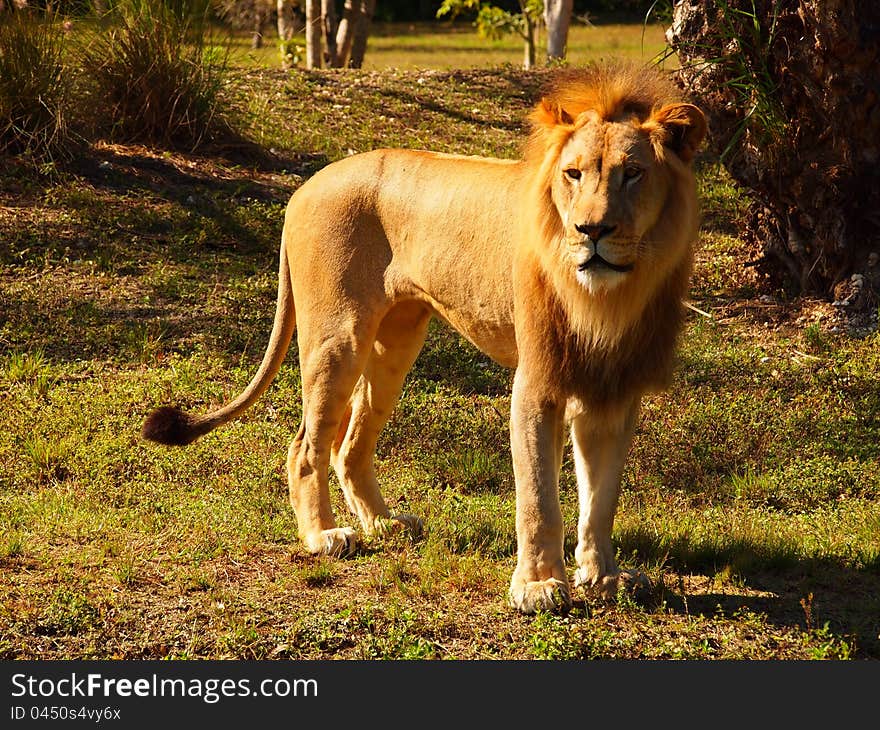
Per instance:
{"type": "Point", "coordinates": [172, 426]}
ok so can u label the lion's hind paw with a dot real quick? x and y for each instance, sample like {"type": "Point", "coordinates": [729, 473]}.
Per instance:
{"type": "Point", "coordinates": [397, 524]}
{"type": "Point", "coordinates": [631, 583]}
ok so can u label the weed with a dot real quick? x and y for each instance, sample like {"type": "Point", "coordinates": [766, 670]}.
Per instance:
{"type": "Point", "coordinates": [158, 75]}
{"type": "Point", "coordinates": [12, 545]}
{"type": "Point", "coordinates": [68, 612]}
{"type": "Point", "coordinates": [551, 638]}
{"type": "Point", "coordinates": [823, 644]}
{"type": "Point", "coordinates": [394, 572]}
{"type": "Point", "coordinates": [815, 338]}
{"type": "Point", "coordinates": [472, 470]}
{"type": "Point", "coordinates": [31, 369]}
{"type": "Point", "coordinates": [35, 88]}
{"type": "Point", "coordinates": [125, 570]}
{"type": "Point", "coordinates": [318, 573]}
{"type": "Point", "coordinates": [46, 457]}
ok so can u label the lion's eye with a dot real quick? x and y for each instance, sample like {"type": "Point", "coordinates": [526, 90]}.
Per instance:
{"type": "Point", "coordinates": [632, 173]}
{"type": "Point", "coordinates": [573, 173]}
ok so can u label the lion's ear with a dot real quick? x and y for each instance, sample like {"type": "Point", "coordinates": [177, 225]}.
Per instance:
{"type": "Point", "coordinates": [679, 127]}
{"type": "Point", "coordinates": [549, 113]}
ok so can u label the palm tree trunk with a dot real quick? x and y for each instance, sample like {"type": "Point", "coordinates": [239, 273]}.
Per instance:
{"type": "Point", "coordinates": [792, 92]}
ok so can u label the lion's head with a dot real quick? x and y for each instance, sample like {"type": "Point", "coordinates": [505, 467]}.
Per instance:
{"type": "Point", "coordinates": [614, 207]}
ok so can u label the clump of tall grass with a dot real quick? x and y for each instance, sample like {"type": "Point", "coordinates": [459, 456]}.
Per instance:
{"type": "Point", "coordinates": [35, 87]}
{"type": "Point", "coordinates": [158, 76]}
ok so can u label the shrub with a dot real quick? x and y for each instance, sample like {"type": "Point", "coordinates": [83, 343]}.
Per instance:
{"type": "Point", "coordinates": [35, 87]}
{"type": "Point", "coordinates": [158, 76]}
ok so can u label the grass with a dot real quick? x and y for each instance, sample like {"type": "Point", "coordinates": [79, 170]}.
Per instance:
{"type": "Point", "coordinates": [157, 74]}
{"type": "Point", "coordinates": [444, 46]}
{"type": "Point", "coordinates": [751, 496]}
{"type": "Point", "coordinates": [36, 101]}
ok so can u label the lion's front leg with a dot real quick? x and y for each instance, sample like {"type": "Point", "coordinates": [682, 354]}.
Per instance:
{"type": "Point", "coordinates": [601, 443]}
{"type": "Point", "coordinates": [536, 429]}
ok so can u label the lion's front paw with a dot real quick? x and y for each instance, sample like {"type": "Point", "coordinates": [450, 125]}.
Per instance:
{"type": "Point", "coordinates": [399, 523]}
{"type": "Point", "coordinates": [540, 595]}
{"type": "Point", "coordinates": [338, 542]}
{"type": "Point", "coordinates": [608, 587]}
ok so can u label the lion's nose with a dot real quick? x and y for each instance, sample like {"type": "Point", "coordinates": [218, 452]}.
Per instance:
{"type": "Point", "coordinates": [594, 233]}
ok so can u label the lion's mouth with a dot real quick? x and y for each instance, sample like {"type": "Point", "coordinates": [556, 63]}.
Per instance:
{"type": "Point", "coordinates": [597, 262]}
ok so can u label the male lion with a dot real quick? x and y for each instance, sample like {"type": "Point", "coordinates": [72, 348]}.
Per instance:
{"type": "Point", "coordinates": [568, 265]}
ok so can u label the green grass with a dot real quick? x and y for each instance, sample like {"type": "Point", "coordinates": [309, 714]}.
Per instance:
{"type": "Point", "coordinates": [157, 75]}
{"type": "Point", "coordinates": [36, 93]}
{"type": "Point", "coordinates": [751, 496]}
{"type": "Point", "coordinates": [447, 47]}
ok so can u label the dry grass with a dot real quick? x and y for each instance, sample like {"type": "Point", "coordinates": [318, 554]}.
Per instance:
{"type": "Point", "coordinates": [751, 497]}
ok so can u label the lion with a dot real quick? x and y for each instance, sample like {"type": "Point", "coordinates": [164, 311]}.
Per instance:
{"type": "Point", "coordinates": [568, 265]}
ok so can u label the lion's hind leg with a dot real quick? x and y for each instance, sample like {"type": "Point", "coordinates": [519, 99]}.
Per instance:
{"type": "Point", "coordinates": [332, 357]}
{"type": "Point", "coordinates": [397, 344]}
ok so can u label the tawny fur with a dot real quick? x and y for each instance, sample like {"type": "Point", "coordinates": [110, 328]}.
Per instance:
{"type": "Point", "coordinates": [568, 265]}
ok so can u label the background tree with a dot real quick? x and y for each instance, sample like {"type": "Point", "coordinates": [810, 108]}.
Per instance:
{"type": "Point", "coordinates": [353, 31]}
{"type": "Point", "coordinates": [288, 19]}
{"type": "Point", "coordinates": [792, 92]}
{"type": "Point", "coordinates": [557, 17]}
{"type": "Point", "coordinates": [494, 22]}
{"type": "Point", "coordinates": [252, 15]}
{"type": "Point", "coordinates": [328, 31]}
{"type": "Point", "coordinates": [313, 33]}
{"type": "Point", "coordinates": [362, 22]}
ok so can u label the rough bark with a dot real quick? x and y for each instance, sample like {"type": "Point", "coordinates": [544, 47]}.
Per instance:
{"type": "Point", "coordinates": [259, 24]}
{"type": "Point", "coordinates": [313, 33]}
{"type": "Point", "coordinates": [529, 53]}
{"type": "Point", "coordinates": [287, 21]}
{"type": "Point", "coordinates": [344, 32]}
{"type": "Point", "coordinates": [557, 17]}
{"type": "Point", "coordinates": [360, 33]}
{"type": "Point", "coordinates": [793, 103]}
{"type": "Point", "coordinates": [328, 28]}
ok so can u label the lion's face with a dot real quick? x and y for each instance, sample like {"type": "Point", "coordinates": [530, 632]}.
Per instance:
{"type": "Point", "coordinates": [609, 189]}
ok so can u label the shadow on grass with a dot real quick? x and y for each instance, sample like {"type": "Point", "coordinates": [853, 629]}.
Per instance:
{"type": "Point", "coordinates": [495, 85]}
{"type": "Point", "coordinates": [804, 592]}
{"type": "Point", "coordinates": [131, 169]}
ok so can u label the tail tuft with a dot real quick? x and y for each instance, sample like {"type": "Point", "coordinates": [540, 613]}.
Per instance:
{"type": "Point", "coordinates": [170, 426]}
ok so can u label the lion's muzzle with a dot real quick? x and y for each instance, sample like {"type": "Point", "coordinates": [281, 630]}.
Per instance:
{"type": "Point", "coordinates": [597, 262]}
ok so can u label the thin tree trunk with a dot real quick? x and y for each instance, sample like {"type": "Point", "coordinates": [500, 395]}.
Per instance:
{"type": "Point", "coordinates": [259, 22]}
{"type": "Point", "coordinates": [361, 33]}
{"type": "Point", "coordinates": [286, 20]}
{"type": "Point", "coordinates": [350, 10]}
{"type": "Point", "coordinates": [529, 54]}
{"type": "Point", "coordinates": [313, 34]}
{"type": "Point", "coordinates": [328, 26]}
{"type": "Point", "coordinates": [557, 17]}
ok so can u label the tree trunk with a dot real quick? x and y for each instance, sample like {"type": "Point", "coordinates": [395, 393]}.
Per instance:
{"type": "Point", "coordinates": [344, 33]}
{"type": "Point", "coordinates": [557, 17]}
{"type": "Point", "coordinates": [361, 33]}
{"type": "Point", "coordinates": [287, 25]}
{"type": "Point", "coordinates": [259, 23]}
{"type": "Point", "coordinates": [792, 94]}
{"type": "Point", "coordinates": [529, 54]}
{"type": "Point", "coordinates": [313, 33]}
{"type": "Point", "coordinates": [328, 27]}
